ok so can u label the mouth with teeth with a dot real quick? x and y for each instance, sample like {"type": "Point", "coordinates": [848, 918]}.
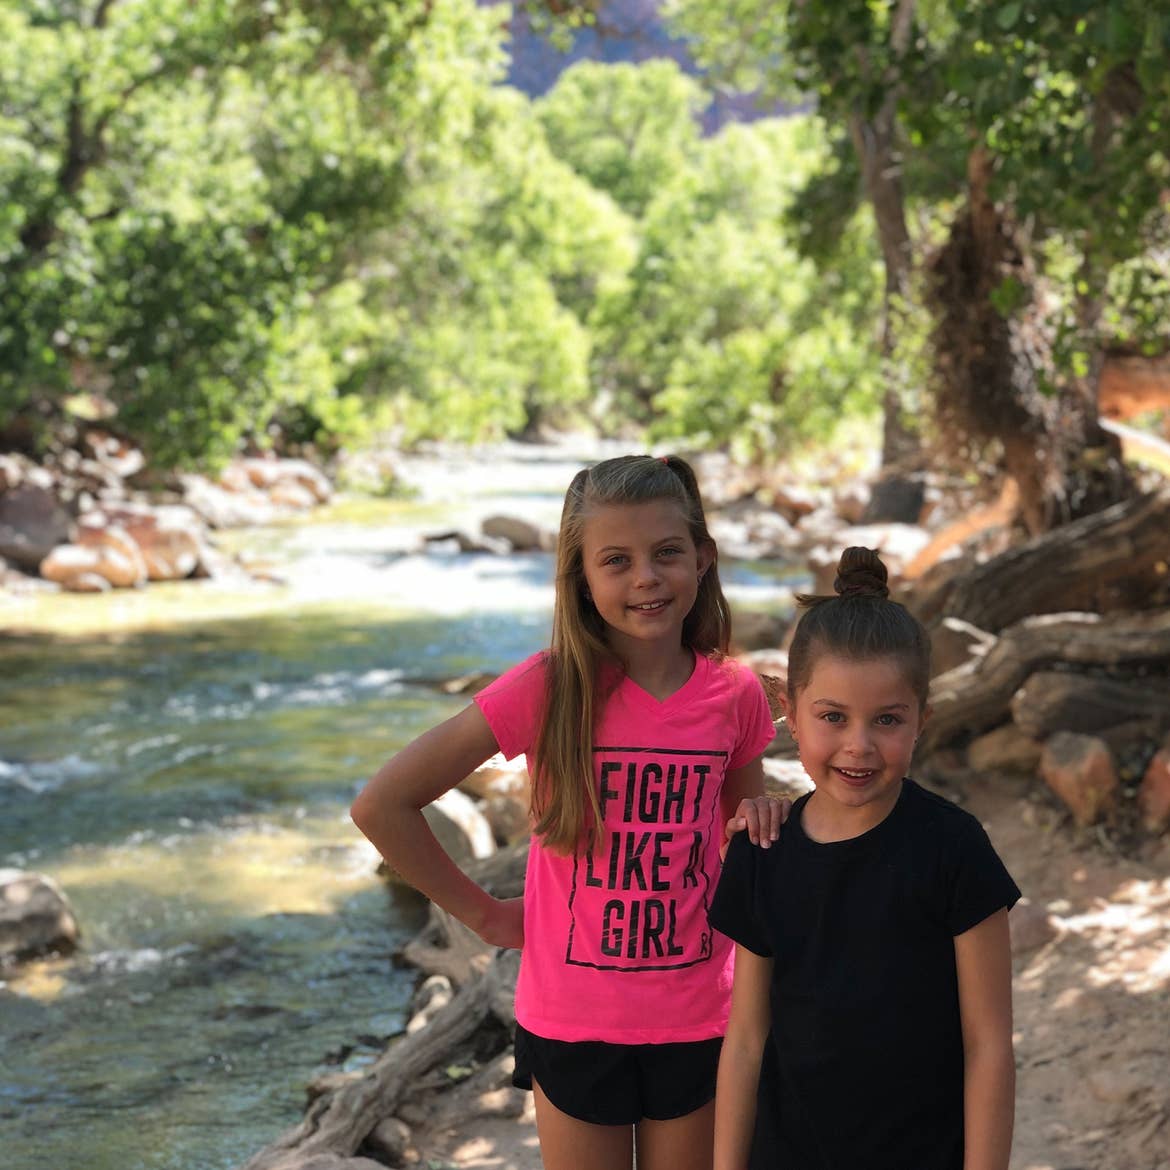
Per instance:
{"type": "Point", "coordinates": [857, 777]}
{"type": "Point", "coordinates": [650, 606]}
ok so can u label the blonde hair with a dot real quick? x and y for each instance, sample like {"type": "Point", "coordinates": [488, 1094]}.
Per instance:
{"type": "Point", "coordinates": [564, 795]}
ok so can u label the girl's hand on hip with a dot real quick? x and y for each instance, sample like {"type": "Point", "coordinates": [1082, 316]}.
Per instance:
{"type": "Point", "coordinates": [504, 924]}
{"type": "Point", "coordinates": [761, 816]}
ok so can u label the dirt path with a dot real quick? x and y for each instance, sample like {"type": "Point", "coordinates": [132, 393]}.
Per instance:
{"type": "Point", "coordinates": [1092, 1002]}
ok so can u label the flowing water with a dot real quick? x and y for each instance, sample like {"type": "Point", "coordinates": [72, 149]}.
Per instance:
{"type": "Point", "coordinates": [181, 761]}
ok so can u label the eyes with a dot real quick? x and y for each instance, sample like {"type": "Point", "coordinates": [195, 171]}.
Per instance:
{"type": "Point", "coordinates": [885, 719]}
{"type": "Point", "coordinates": [664, 553]}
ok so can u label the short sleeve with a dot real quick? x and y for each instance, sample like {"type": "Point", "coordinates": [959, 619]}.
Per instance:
{"type": "Point", "coordinates": [734, 910]}
{"type": "Point", "coordinates": [979, 881]}
{"type": "Point", "coordinates": [513, 703]}
{"type": "Point", "coordinates": [756, 729]}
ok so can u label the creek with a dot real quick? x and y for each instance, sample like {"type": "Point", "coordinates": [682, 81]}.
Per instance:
{"type": "Point", "coordinates": [181, 761]}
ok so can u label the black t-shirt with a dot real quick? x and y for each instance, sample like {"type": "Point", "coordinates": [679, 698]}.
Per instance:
{"type": "Point", "coordinates": [863, 1069]}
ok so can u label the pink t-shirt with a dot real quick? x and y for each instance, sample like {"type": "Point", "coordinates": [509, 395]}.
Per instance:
{"type": "Point", "coordinates": [617, 946]}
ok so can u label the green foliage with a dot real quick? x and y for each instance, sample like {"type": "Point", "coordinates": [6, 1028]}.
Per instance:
{"type": "Point", "coordinates": [182, 186]}
{"type": "Point", "coordinates": [722, 333]}
{"type": "Point", "coordinates": [1071, 100]}
{"type": "Point", "coordinates": [628, 129]}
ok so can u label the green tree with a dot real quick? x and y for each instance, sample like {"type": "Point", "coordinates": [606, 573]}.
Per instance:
{"type": "Point", "coordinates": [185, 181]}
{"type": "Point", "coordinates": [990, 114]}
{"type": "Point", "coordinates": [626, 128]}
{"type": "Point", "coordinates": [722, 333]}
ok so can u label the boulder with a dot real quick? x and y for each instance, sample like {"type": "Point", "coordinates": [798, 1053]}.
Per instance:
{"type": "Point", "coordinates": [1080, 770]}
{"type": "Point", "coordinates": [32, 524]}
{"type": "Point", "coordinates": [1006, 749]}
{"type": "Point", "coordinates": [76, 568]}
{"type": "Point", "coordinates": [522, 535]}
{"type": "Point", "coordinates": [753, 630]}
{"type": "Point", "coordinates": [120, 559]}
{"type": "Point", "coordinates": [1153, 796]}
{"type": "Point", "coordinates": [35, 917]}
{"type": "Point", "coordinates": [896, 499]}
{"type": "Point", "coordinates": [461, 828]}
{"type": "Point", "coordinates": [170, 537]}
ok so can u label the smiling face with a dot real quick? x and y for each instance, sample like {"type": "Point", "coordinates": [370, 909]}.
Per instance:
{"type": "Point", "coordinates": [642, 570]}
{"type": "Point", "coordinates": [855, 722]}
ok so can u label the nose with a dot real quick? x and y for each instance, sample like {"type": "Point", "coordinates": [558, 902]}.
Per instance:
{"type": "Point", "coordinates": [859, 740]}
{"type": "Point", "coordinates": [646, 572]}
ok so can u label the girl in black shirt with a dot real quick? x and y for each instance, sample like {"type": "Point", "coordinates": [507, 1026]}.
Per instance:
{"type": "Point", "coordinates": [871, 1014]}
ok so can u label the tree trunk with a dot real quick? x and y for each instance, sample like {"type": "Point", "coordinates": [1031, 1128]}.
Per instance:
{"type": "Point", "coordinates": [994, 369]}
{"type": "Point", "coordinates": [875, 143]}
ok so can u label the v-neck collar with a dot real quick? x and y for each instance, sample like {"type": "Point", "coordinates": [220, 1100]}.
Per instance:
{"type": "Point", "coordinates": [680, 698]}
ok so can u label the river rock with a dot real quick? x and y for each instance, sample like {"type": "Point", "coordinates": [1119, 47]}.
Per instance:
{"type": "Point", "coordinates": [35, 917]}
{"type": "Point", "coordinates": [170, 537]}
{"type": "Point", "coordinates": [32, 524]}
{"type": "Point", "coordinates": [522, 535]}
{"type": "Point", "coordinates": [296, 1161]}
{"type": "Point", "coordinates": [75, 568]}
{"type": "Point", "coordinates": [222, 506]}
{"type": "Point", "coordinates": [120, 559]}
{"type": "Point", "coordinates": [793, 502]}
{"type": "Point", "coordinates": [461, 828]}
{"type": "Point", "coordinates": [497, 775]}
{"type": "Point", "coordinates": [753, 630]}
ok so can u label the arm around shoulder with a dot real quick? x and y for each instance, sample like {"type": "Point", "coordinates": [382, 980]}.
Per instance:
{"type": "Point", "coordinates": [388, 811]}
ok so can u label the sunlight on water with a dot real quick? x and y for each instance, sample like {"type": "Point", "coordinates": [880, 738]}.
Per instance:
{"type": "Point", "coordinates": [181, 760]}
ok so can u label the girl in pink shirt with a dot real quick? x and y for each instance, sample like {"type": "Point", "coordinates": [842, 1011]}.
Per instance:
{"type": "Point", "coordinates": [644, 741]}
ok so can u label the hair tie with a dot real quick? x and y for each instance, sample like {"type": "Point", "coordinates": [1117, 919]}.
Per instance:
{"type": "Point", "coordinates": [665, 460]}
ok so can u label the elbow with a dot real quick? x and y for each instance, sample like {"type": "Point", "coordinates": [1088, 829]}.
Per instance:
{"type": "Point", "coordinates": [363, 812]}
{"type": "Point", "coordinates": [994, 1060]}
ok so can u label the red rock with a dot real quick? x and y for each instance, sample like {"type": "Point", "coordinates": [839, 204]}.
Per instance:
{"type": "Point", "coordinates": [1154, 791]}
{"type": "Point", "coordinates": [1081, 771]}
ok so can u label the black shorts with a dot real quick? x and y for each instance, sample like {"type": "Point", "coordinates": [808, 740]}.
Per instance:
{"type": "Point", "coordinates": [618, 1084]}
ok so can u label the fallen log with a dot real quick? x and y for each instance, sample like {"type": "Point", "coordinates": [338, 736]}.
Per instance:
{"type": "Point", "coordinates": [1051, 701]}
{"type": "Point", "coordinates": [340, 1119]}
{"type": "Point", "coordinates": [1115, 559]}
{"type": "Point", "coordinates": [337, 1123]}
{"type": "Point", "coordinates": [976, 696]}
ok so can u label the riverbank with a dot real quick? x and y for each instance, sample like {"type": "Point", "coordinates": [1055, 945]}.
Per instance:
{"type": "Point", "coordinates": [221, 730]}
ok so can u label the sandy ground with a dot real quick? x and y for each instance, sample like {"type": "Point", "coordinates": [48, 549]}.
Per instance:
{"type": "Point", "coordinates": [1092, 1002]}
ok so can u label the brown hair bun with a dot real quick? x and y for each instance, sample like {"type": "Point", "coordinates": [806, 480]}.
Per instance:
{"type": "Point", "coordinates": [860, 573]}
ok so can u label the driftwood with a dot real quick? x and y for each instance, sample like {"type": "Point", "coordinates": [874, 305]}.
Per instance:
{"type": "Point", "coordinates": [1114, 559]}
{"type": "Point", "coordinates": [1052, 701]}
{"type": "Point", "coordinates": [338, 1121]}
{"type": "Point", "coordinates": [977, 696]}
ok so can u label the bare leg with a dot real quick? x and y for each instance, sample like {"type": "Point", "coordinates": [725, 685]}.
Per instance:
{"type": "Point", "coordinates": [683, 1143]}
{"type": "Point", "coordinates": [569, 1144]}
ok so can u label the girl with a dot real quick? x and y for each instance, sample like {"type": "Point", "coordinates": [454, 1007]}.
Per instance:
{"type": "Point", "coordinates": [873, 938]}
{"type": "Point", "coordinates": [642, 739]}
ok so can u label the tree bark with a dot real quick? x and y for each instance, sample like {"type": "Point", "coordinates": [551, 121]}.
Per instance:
{"type": "Point", "coordinates": [1051, 701]}
{"type": "Point", "coordinates": [875, 143]}
{"type": "Point", "coordinates": [977, 696]}
{"type": "Point", "coordinates": [995, 369]}
{"type": "Point", "coordinates": [1111, 560]}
